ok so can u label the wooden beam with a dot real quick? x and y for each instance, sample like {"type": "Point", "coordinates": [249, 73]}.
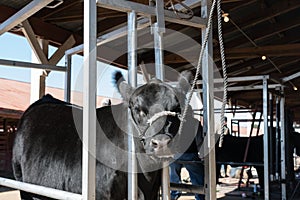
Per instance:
{"type": "Point", "coordinates": [10, 113]}
{"type": "Point", "coordinates": [23, 14]}
{"type": "Point", "coordinates": [240, 53]}
{"type": "Point", "coordinates": [290, 64]}
{"type": "Point", "coordinates": [66, 4]}
{"type": "Point", "coordinates": [240, 6]}
{"type": "Point", "coordinates": [254, 52]}
{"type": "Point", "coordinates": [141, 9]}
{"type": "Point", "coordinates": [257, 35]}
{"type": "Point", "coordinates": [272, 29]}
{"type": "Point", "coordinates": [60, 52]}
{"type": "Point", "coordinates": [29, 34]}
{"type": "Point", "coordinates": [231, 1]}
{"type": "Point", "coordinates": [276, 9]}
{"type": "Point", "coordinates": [53, 33]}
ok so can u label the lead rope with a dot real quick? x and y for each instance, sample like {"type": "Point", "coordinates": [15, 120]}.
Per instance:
{"type": "Point", "coordinates": [225, 78]}
{"type": "Point", "coordinates": [199, 64]}
{"type": "Point", "coordinates": [209, 22]}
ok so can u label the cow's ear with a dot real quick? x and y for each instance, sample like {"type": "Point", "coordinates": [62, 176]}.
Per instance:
{"type": "Point", "coordinates": [124, 89]}
{"type": "Point", "coordinates": [184, 81]}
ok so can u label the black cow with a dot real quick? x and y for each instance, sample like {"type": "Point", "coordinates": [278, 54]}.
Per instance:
{"type": "Point", "coordinates": [48, 148]}
{"type": "Point", "coordinates": [233, 150]}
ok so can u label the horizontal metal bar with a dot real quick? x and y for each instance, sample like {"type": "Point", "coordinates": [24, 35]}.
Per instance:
{"type": "Point", "coordinates": [247, 120]}
{"type": "Point", "coordinates": [220, 162]}
{"type": "Point", "coordinates": [142, 22]}
{"type": "Point", "coordinates": [228, 110]}
{"type": "Point", "coordinates": [241, 88]}
{"type": "Point", "coordinates": [239, 79]}
{"type": "Point", "coordinates": [231, 111]}
{"type": "Point", "coordinates": [32, 65]}
{"type": "Point", "coordinates": [40, 190]}
{"type": "Point", "coordinates": [113, 35]}
{"type": "Point", "coordinates": [254, 87]}
{"type": "Point", "coordinates": [192, 162]}
{"type": "Point", "coordinates": [128, 6]}
{"type": "Point", "coordinates": [74, 50]}
{"type": "Point", "coordinates": [23, 14]}
{"type": "Point", "coordinates": [121, 32]}
{"type": "Point", "coordinates": [293, 76]}
{"type": "Point", "coordinates": [187, 188]}
{"type": "Point", "coordinates": [241, 163]}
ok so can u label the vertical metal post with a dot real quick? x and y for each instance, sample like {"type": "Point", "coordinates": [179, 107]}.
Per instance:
{"type": "Point", "coordinates": [277, 140]}
{"type": "Point", "coordinates": [158, 31]}
{"type": "Point", "coordinates": [132, 79]}
{"type": "Point", "coordinates": [208, 109]}
{"type": "Point", "coordinates": [160, 18]}
{"type": "Point", "coordinates": [282, 141]}
{"type": "Point", "coordinates": [160, 74]}
{"type": "Point", "coordinates": [158, 49]}
{"type": "Point", "coordinates": [266, 145]}
{"type": "Point", "coordinates": [89, 101]}
{"type": "Point", "coordinates": [67, 91]}
{"type": "Point", "coordinates": [166, 195]}
{"type": "Point", "coordinates": [271, 136]}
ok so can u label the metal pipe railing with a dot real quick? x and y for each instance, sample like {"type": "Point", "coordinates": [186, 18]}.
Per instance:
{"type": "Point", "coordinates": [40, 190]}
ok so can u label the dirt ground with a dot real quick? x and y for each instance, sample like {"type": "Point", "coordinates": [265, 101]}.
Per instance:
{"type": "Point", "coordinates": [228, 189]}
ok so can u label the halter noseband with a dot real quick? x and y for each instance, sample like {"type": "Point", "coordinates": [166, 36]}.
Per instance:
{"type": "Point", "coordinates": [153, 119]}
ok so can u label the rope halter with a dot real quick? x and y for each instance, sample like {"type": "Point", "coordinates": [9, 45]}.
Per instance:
{"type": "Point", "coordinates": [153, 119]}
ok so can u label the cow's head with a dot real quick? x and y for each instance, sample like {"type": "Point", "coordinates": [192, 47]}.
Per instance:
{"type": "Point", "coordinates": [155, 112]}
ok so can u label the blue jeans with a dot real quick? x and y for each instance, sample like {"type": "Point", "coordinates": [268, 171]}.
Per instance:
{"type": "Point", "coordinates": [196, 172]}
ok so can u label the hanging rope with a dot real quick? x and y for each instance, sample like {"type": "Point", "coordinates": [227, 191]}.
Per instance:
{"type": "Point", "coordinates": [199, 65]}
{"type": "Point", "coordinates": [225, 78]}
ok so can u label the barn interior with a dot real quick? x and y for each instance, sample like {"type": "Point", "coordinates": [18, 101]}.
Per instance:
{"type": "Point", "coordinates": [261, 41]}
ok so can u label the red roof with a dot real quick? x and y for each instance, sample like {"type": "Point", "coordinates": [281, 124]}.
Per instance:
{"type": "Point", "coordinates": [15, 95]}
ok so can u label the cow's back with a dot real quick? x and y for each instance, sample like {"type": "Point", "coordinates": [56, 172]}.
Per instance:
{"type": "Point", "coordinates": [233, 149]}
{"type": "Point", "coordinates": [47, 148]}
{"type": "Point", "coordinates": [48, 151]}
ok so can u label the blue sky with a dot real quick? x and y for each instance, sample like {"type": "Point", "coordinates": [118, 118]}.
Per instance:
{"type": "Point", "coordinates": [14, 47]}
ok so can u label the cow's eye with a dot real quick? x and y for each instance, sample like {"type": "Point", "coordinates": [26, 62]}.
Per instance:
{"type": "Point", "coordinates": [143, 141]}
{"type": "Point", "coordinates": [142, 113]}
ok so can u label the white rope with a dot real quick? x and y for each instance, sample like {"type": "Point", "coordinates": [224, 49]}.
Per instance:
{"type": "Point", "coordinates": [225, 80]}
{"type": "Point", "coordinates": [160, 114]}
{"type": "Point", "coordinates": [209, 22]}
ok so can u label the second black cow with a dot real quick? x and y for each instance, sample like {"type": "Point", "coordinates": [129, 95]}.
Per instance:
{"type": "Point", "coordinates": [233, 150]}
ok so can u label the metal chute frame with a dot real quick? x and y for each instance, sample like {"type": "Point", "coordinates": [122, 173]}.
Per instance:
{"type": "Point", "coordinates": [89, 106]}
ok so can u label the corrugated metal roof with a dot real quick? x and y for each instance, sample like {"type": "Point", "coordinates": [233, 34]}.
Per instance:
{"type": "Point", "coordinates": [15, 95]}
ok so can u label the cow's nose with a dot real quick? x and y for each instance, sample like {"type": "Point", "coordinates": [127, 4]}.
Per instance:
{"type": "Point", "coordinates": [160, 143]}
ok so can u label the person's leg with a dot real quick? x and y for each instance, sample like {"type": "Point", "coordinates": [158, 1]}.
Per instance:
{"type": "Point", "coordinates": [196, 172]}
{"type": "Point", "coordinates": [225, 169]}
{"type": "Point", "coordinates": [175, 170]}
